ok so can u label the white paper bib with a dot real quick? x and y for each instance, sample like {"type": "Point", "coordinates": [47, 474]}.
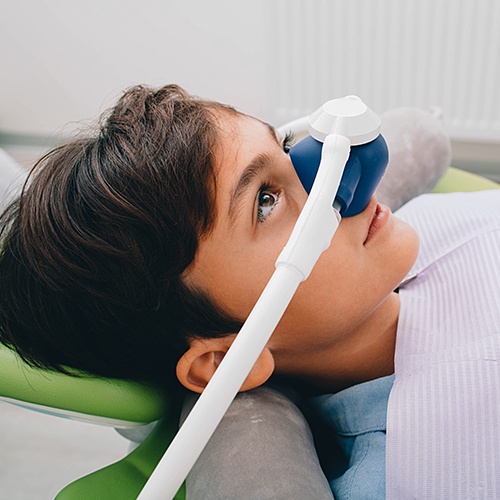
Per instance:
{"type": "Point", "coordinates": [443, 421]}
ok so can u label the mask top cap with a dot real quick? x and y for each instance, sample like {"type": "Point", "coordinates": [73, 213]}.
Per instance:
{"type": "Point", "coordinates": [348, 116]}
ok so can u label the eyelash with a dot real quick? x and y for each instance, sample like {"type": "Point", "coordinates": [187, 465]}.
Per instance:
{"type": "Point", "coordinates": [265, 187]}
{"type": "Point", "coordinates": [287, 141]}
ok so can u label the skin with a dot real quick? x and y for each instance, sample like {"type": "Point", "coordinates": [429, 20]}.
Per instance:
{"type": "Point", "coordinates": [341, 325]}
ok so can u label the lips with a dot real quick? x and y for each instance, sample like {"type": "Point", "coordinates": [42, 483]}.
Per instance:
{"type": "Point", "coordinates": [380, 217]}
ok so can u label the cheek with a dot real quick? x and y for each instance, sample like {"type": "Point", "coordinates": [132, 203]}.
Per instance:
{"type": "Point", "coordinates": [236, 277]}
{"type": "Point", "coordinates": [250, 265]}
{"type": "Point", "coordinates": [326, 301]}
{"type": "Point", "coordinates": [243, 288]}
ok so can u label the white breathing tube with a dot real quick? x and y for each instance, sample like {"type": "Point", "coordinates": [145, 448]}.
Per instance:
{"type": "Point", "coordinates": [311, 235]}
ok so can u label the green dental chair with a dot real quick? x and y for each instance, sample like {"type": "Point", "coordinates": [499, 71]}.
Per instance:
{"type": "Point", "coordinates": [116, 403]}
{"type": "Point", "coordinates": [123, 404]}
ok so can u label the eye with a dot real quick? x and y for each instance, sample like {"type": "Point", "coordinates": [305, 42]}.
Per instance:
{"type": "Point", "coordinates": [287, 142]}
{"type": "Point", "coordinates": [266, 201]}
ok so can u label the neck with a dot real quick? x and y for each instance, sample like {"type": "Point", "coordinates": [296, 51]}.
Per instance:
{"type": "Point", "coordinates": [366, 354]}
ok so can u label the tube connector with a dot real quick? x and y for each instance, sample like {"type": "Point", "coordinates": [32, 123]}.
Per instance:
{"type": "Point", "coordinates": [318, 220]}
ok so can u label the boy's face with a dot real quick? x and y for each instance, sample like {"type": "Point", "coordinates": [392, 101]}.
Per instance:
{"type": "Point", "coordinates": [258, 200]}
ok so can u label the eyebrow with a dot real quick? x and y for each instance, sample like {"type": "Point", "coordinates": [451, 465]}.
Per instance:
{"type": "Point", "coordinates": [259, 164]}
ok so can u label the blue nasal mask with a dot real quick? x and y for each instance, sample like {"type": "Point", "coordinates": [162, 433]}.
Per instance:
{"type": "Point", "coordinates": [368, 157]}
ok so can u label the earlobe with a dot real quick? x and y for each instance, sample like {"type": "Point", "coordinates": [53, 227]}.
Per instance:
{"type": "Point", "coordinates": [261, 371]}
{"type": "Point", "coordinates": [197, 366]}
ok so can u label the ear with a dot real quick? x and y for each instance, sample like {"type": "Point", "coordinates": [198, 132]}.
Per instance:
{"type": "Point", "coordinates": [198, 364]}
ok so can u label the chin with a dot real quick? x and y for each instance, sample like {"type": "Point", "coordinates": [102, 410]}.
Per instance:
{"type": "Point", "coordinates": [408, 245]}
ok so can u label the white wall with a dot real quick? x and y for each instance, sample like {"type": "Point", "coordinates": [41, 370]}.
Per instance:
{"type": "Point", "coordinates": [66, 60]}
{"type": "Point", "coordinates": [394, 53]}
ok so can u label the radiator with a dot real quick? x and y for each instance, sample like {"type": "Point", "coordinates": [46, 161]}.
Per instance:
{"type": "Point", "coordinates": [392, 53]}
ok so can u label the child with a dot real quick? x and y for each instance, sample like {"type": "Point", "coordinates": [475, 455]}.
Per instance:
{"type": "Point", "coordinates": [144, 247]}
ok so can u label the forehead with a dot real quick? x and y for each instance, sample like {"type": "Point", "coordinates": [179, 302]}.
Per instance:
{"type": "Point", "coordinates": [241, 138]}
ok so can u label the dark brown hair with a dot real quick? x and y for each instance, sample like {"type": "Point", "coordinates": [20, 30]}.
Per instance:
{"type": "Point", "coordinates": [94, 249]}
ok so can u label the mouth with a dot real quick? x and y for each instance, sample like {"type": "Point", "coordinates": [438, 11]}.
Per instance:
{"type": "Point", "coordinates": [381, 214]}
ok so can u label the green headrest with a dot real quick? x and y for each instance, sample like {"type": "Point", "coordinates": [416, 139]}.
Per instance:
{"type": "Point", "coordinates": [110, 398]}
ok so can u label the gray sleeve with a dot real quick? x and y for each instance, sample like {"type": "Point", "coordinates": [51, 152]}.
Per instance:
{"type": "Point", "coordinates": [263, 449]}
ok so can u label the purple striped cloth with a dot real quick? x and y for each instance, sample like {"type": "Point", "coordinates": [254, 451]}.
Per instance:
{"type": "Point", "coordinates": [443, 420]}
